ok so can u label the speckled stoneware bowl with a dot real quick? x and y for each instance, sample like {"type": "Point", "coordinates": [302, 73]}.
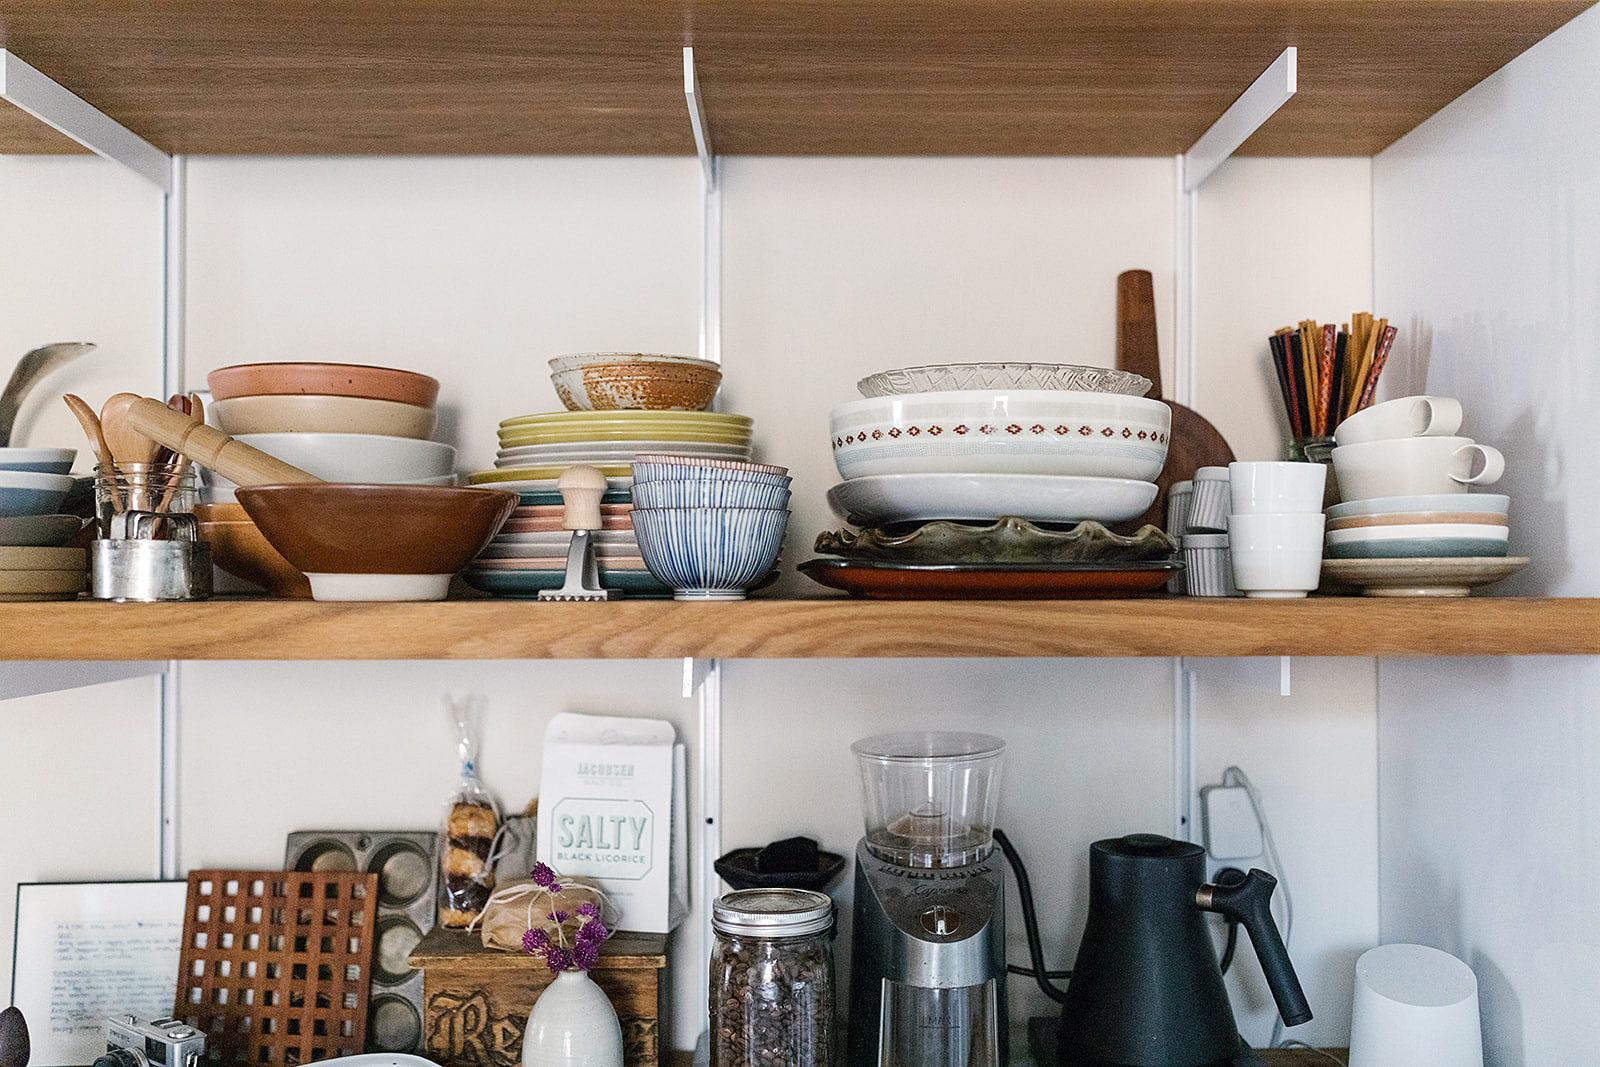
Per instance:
{"type": "Point", "coordinates": [617, 381]}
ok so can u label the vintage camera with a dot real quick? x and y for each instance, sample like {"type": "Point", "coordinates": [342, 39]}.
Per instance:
{"type": "Point", "coordinates": [135, 1042]}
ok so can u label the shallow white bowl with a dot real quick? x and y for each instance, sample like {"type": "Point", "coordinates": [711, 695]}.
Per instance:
{"type": "Point", "coordinates": [318, 413]}
{"type": "Point", "coordinates": [1102, 435]}
{"type": "Point", "coordinates": [1399, 505]}
{"type": "Point", "coordinates": [38, 460]}
{"type": "Point", "coordinates": [358, 457]}
{"type": "Point", "coordinates": [887, 498]}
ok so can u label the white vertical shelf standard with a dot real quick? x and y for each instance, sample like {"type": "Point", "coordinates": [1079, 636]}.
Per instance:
{"type": "Point", "coordinates": [1270, 91]}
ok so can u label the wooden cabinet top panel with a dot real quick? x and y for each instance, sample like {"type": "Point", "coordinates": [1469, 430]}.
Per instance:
{"type": "Point", "coordinates": [820, 77]}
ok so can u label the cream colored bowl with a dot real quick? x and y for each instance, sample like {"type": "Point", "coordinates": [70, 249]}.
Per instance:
{"type": "Point", "coordinates": [318, 413]}
{"type": "Point", "coordinates": [1103, 435]}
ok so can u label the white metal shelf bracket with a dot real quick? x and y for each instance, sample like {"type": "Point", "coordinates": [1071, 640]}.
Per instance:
{"type": "Point", "coordinates": [57, 107]}
{"type": "Point", "coordinates": [697, 117]}
{"type": "Point", "coordinates": [1244, 117]}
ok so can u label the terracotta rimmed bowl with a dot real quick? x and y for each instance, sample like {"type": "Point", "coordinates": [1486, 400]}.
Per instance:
{"type": "Point", "coordinates": [239, 548]}
{"type": "Point", "coordinates": [357, 541]}
{"type": "Point", "coordinates": [328, 379]}
{"type": "Point", "coordinates": [321, 413]}
{"type": "Point", "coordinates": [634, 381]}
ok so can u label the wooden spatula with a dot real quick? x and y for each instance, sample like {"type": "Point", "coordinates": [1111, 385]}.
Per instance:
{"type": "Point", "coordinates": [1194, 442]}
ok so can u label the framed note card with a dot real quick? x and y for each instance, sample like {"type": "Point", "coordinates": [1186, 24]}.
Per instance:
{"type": "Point", "coordinates": [86, 950]}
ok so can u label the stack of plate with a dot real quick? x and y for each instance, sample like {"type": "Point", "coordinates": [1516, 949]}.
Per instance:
{"type": "Point", "coordinates": [1430, 545]}
{"type": "Point", "coordinates": [535, 449]}
{"type": "Point", "coordinates": [991, 444]}
{"type": "Point", "coordinates": [530, 552]}
{"type": "Point", "coordinates": [33, 563]}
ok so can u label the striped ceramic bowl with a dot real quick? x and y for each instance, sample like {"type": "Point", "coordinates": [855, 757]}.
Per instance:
{"type": "Point", "coordinates": [709, 553]}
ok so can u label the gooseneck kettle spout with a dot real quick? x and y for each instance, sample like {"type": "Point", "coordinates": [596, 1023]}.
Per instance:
{"type": "Point", "coordinates": [1248, 901]}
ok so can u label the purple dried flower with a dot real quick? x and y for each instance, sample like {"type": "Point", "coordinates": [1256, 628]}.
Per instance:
{"type": "Point", "coordinates": [592, 932]}
{"type": "Point", "coordinates": [589, 909]}
{"type": "Point", "coordinates": [554, 887]}
{"type": "Point", "coordinates": [558, 958]}
{"type": "Point", "coordinates": [558, 916]}
{"type": "Point", "coordinates": [543, 875]}
{"type": "Point", "coordinates": [586, 954]}
{"type": "Point", "coordinates": [534, 940]}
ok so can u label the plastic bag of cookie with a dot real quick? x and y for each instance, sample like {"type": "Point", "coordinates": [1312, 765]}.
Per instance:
{"type": "Point", "coordinates": [466, 834]}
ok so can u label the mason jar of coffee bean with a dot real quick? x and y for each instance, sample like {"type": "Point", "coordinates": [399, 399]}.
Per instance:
{"type": "Point", "coordinates": [771, 1002]}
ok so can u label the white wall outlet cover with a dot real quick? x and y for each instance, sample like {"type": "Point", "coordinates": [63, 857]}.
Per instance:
{"type": "Point", "coordinates": [1232, 833]}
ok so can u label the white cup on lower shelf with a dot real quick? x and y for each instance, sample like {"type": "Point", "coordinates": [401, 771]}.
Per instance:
{"type": "Point", "coordinates": [1276, 556]}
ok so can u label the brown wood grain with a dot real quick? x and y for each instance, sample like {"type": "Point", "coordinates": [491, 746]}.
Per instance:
{"type": "Point", "coordinates": [856, 77]}
{"type": "Point", "coordinates": [786, 629]}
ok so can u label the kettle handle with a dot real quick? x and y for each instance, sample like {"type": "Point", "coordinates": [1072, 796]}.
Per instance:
{"type": "Point", "coordinates": [1249, 901]}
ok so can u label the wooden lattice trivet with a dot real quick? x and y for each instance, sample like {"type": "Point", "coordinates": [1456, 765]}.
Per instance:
{"type": "Point", "coordinates": [275, 965]}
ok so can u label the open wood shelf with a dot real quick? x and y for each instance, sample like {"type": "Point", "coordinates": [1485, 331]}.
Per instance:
{"type": "Point", "coordinates": [825, 77]}
{"type": "Point", "coordinates": [787, 629]}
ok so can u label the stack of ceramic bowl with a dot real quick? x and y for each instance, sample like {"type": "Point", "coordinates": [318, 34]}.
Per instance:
{"type": "Point", "coordinates": [1051, 445]}
{"type": "Point", "coordinates": [342, 422]}
{"type": "Point", "coordinates": [530, 551]}
{"type": "Point", "coordinates": [1409, 522]}
{"type": "Point", "coordinates": [709, 529]}
{"type": "Point", "coordinates": [35, 562]}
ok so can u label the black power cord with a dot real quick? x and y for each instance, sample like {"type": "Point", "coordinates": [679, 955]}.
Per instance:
{"type": "Point", "coordinates": [1030, 924]}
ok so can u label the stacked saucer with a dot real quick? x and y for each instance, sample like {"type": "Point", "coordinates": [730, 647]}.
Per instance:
{"type": "Point", "coordinates": [530, 551]}
{"type": "Point", "coordinates": [34, 562]}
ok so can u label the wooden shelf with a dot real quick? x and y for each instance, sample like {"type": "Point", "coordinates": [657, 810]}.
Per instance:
{"type": "Point", "coordinates": [786, 629]}
{"type": "Point", "coordinates": [852, 77]}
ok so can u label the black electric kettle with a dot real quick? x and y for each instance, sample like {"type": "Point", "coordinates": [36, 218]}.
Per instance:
{"type": "Point", "coordinates": [1146, 990]}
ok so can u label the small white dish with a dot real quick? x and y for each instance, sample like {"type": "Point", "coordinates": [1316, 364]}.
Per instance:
{"type": "Point", "coordinates": [1419, 531]}
{"type": "Point", "coordinates": [379, 586]}
{"type": "Point", "coordinates": [1380, 505]}
{"type": "Point", "coordinates": [885, 498]}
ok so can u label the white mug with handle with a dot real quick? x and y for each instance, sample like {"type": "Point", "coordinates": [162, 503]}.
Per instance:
{"type": "Point", "coordinates": [1415, 466]}
{"type": "Point", "coordinates": [1409, 416]}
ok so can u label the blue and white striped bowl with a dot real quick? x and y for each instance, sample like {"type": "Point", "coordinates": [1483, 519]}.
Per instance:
{"type": "Point", "coordinates": [709, 553]}
{"type": "Point", "coordinates": [704, 493]}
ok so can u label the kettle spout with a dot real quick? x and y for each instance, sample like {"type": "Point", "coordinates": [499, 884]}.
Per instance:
{"type": "Point", "coordinates": [1249, 902]}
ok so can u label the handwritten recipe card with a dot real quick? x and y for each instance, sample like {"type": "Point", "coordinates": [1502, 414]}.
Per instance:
{"type": "Point", "coordinates": [87, 950]}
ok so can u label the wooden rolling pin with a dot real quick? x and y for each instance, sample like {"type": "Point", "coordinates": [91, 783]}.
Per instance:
{"type": "Point", "coordinates": [234, 460]}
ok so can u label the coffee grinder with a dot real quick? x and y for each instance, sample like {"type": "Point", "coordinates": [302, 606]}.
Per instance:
{"type": "Point", "coordinates": [927, 964]}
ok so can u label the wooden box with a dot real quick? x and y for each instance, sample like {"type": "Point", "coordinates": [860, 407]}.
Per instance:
{"type": "Point", "coordinates": [476, 1000]}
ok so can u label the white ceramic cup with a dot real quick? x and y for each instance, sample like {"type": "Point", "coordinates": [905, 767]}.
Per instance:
{"type": "Point", "coordinates": [1414, 466]}
{"type": "Point", "coordinates": [1276, 555]}
{"type": "Point", "coordinates": [1414, 1007]}
{"type": "Point", "coordinates": [1409, 416]}
{"type": "Point", "coordinates": [1276, 487]}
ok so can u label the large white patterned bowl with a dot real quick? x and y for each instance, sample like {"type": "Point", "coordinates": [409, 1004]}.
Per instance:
{"type": "Point", "coordinates": [1102, 435]}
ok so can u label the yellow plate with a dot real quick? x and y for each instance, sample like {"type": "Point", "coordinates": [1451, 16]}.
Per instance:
{"type": "Point", "coordinates": [531, 474]}
{"type": "Point", "coordinates": [580, 437]}
{"type": "Point", "coordinates": [618, 419]}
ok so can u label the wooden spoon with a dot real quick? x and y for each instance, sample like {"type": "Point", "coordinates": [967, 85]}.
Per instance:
{"type": "Point", "coordinates": [97, 440]}
{"type": "Point", "coordinates": [1193, 442]}
{"type": "Point", "coordinates": [128, 445]}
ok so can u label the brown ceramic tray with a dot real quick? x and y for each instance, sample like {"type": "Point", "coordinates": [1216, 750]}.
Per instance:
{"type": "Point", "coordinates": [877, 580]}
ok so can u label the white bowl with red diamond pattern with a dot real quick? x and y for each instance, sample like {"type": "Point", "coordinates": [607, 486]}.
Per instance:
{"type": "Point", "coordinates": [1018, 431]}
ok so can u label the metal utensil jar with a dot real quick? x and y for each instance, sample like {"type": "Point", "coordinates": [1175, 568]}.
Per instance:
{"type": "Point", "coordinates": [772, 979]}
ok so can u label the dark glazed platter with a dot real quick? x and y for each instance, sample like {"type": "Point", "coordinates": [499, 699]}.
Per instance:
{"type": "Point", "coordinates": [995, 581]}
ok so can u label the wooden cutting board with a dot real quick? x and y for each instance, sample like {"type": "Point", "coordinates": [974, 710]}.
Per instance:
{"type": "Point", "coordinates": [1194, 442]}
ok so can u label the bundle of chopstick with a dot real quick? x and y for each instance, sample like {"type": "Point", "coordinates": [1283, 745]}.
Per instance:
{"type": "Point", "coordinates": [1328, 374]}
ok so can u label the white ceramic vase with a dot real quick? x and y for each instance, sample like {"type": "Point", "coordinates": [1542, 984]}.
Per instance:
{"type": "Point", "coordinates": [572, 1025]}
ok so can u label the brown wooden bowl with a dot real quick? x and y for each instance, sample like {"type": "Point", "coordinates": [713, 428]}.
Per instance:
{"type": "Point", "coordinates": [326, 379]}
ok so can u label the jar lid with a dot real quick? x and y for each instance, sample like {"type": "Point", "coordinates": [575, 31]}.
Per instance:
{"type": "Point", "coordinates": [773, 912]}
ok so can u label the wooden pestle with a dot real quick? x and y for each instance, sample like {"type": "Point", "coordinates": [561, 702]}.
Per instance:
{"type": "Point", "coordinates": [234, 460]}
{"type": "Point", "coordinates": [581, 488]}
